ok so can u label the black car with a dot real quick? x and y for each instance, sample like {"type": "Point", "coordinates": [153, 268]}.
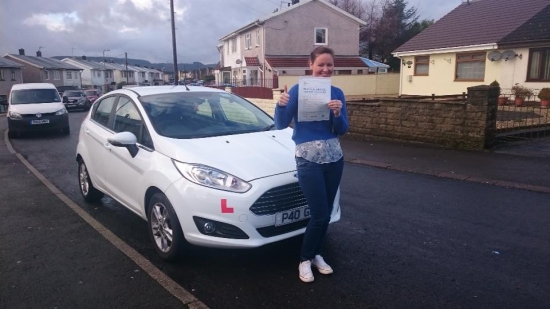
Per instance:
{"type": "Point", "coordinates": [76, 99]}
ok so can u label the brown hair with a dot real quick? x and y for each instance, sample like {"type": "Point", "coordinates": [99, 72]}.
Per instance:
{"type": "Point", "coordinates": [319, 51]}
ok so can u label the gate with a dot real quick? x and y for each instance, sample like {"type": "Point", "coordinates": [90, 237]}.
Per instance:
{"type": "Point", "coordinates": [530, 120]}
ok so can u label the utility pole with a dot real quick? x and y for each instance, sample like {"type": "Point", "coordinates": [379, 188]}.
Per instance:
{"type": "Point", "coordinates": [174, 43]}
{"type": "Point", "coordinates": [127, 73]}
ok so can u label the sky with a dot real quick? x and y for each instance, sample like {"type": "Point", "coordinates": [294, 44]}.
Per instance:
{"type": "Point", "coordinates": [140, 28]}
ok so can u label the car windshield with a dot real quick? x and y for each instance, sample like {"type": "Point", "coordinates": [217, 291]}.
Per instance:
{"type": "Point", "coordinates": [90, 92]}
{"type": "Point", "coordinates": [203, 114]}
{"type": "Point", "coordinates": [33, 96]}
{"type": "Point", "coordinates": [72, 93]}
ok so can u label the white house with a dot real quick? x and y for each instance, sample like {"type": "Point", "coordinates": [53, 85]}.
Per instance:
{"type": "Point", "coordinates": [94, 74]}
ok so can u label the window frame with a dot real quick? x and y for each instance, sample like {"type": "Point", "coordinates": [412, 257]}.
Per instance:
{"type": "Point", "coordinates": [97, 104]}
{"type": "Point", "coordinates": [69, 75]}
{"type": "Point", "coordinates": [2, 76]}
{"type": "Point", "coordinates": [471, 56]}
{"type": "Point", "coordinates": [422, 60]}
{"type": "Point", "coordinates": [56, 75]}
{"type": "Point", "coordinates": [315, 36]}
{"type": "Point", "coordinates": [47, 74]}
{"type": "Point", "coordinates": [248, 41]}
{"type": "Point", "coordinates": [543, 50]}
{"type": "Point", "coordinates": [13, 75]}
{"type": "Point", "coordinates": [233, 45]}
{"type": "Point", "coordinates": [258, 38]}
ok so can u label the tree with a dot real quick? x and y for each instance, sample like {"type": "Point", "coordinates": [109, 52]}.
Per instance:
{"type": "Point", "coordinates": [354, 7]}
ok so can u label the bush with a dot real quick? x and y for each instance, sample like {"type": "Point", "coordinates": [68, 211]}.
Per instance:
{"type": "Point", "coordinates": [521, 91]}
{"type": "Point", "coordinates": [544, 94]}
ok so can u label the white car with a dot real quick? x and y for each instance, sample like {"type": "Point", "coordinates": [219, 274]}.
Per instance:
{"type": "Point", "coordinates": [201, 165]}
{"type": "Point", "coordinates": [36, 107]}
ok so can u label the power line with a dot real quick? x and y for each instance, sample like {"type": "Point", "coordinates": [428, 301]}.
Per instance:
{"type": "Point", "coordinates": [250, 7]}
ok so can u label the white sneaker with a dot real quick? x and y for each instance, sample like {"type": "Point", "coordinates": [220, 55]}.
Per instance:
{"type": "Point", "coordinates": [321, 265]}
{"type": "Point", "coordinates": [306, 275]}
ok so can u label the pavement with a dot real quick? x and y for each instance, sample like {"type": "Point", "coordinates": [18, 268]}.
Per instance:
{"type": "Point", "coordinates": [50, 229]}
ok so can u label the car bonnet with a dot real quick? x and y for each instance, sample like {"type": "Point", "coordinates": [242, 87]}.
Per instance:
{"type": "Point", "coordinates": [247, 156]}
{"type": "Point", "coordinates": [42, 108]}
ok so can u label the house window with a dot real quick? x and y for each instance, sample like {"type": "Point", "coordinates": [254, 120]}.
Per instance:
{"type": "Point", "coordinates": [234, 45]}
{"type": "Point", "coordinates": [343, 72]}
{"type": "Point", "coordinates": [47, 74]}
{"type": "Point", "coordinates": [69, 75]}
{"type": "Point", "coordinates": [321, 36]}
{"type": "Point", "coordinates": [257, 37]}
{"type": "Point", "coordinates": [422, 66]}
{"type": "Point", "coordinates": [12, 74]}
{"type": "Point", "coordinates": [228, 47]}
{"type": "Point", "coordinates": [539, 65]}
{"type": "Point", "coordinates": [56, 75]}
{"type": "Point", "coordinates": [2, 75]}
{"type": "Point", "coordinates": [247, 41]}
{"type": "Point", "coordinates": [470, 67]}
{"type": "Point", "coordinates": [359, 72]}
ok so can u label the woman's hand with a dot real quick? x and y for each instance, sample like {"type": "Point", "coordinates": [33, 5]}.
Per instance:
{"type": "Point", "coordinates": [336, 107]}
{"type": "Point", "coordinates": [283, 100]}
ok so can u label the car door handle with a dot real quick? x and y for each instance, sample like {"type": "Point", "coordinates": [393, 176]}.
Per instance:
{"type": "Point", "coordinates": [87, 131]}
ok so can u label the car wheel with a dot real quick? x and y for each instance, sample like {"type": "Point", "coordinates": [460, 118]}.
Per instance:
{"type": "Point", "coordinates": [164, 228]}
{"type": "Point", "coordinates": [87, 189]}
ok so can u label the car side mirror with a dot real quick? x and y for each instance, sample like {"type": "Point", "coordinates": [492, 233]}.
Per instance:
{"type": "Point", "coordinates": [65, 99]}
{"type": "Point", "coordinates": [127, 140]}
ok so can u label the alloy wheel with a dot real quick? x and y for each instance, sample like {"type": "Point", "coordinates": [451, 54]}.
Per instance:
{"type": "Point", "coordinates": [161, 226]}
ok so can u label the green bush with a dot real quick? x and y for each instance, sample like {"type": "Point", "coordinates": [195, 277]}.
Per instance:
{"type": "Point", "coordinates": [544, 94]}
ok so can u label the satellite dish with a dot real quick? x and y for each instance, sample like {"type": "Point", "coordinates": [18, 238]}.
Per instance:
{"type": "Point", "coordinates": [508, 55]}
{"type": "Point", "coordinates": [238, 61]}
{"type": "Point", "coordinates": [494, 56]}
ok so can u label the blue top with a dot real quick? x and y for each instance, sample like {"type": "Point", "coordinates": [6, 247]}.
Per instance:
{"type": "Point", "coordinates": [312, 130]}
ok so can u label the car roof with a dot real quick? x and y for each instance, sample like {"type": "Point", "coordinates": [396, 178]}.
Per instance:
{"type": "Point", "coordinates": [33, 86]}
{"type": "Point", "coordinates": [151, 90]}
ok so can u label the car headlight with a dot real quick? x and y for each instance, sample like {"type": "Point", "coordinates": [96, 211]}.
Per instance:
{"type": "Point", "coordinates": [14, 115]}
{"type": "Point", "coordinates": [61, 112]}
{"type": "Point", "coordinates": [211, 177]}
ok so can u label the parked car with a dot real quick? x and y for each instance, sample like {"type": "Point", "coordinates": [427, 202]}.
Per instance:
{"type": "Point", "coordinates": [92, 94]}
{"type": "Point", "coordinates": [76, 99]}
{"type": "Point", "coordinates": [36, 107]}
{"type": "Point", "coordinates": [201, 166]}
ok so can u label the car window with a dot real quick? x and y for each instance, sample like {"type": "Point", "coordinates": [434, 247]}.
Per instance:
{"type": "Point", "coordinates": [33, 96]}
{"type": "Point", "coordinates": [203, 114]}
{"type": "Point", "coordinates": [127, 118]}
{"type": "Point", "coordinates": [91, 92]}
{"type": "Point", "coordinates": [237, 113]}
{"type": "Point", "coordinates": [103, 110]}
{"type": "Point", "coordinates": [72, 94]}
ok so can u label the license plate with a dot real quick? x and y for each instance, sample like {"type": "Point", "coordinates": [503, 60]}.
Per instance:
{"type": "Point", "coordinates": [40, 121]}
{"type": "Point", "coordinates": [70, 105]}
{"type": "Point", "coordinates": [292, 215]}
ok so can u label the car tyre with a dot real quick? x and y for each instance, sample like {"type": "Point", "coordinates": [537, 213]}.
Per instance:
{"type": "Point", "coordinates": [164, 228]}
{"type": "Point", "coordinates": [87, 189]}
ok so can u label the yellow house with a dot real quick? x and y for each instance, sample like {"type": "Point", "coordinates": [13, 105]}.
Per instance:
{"type": "Point", "coordinates": [477, 43]}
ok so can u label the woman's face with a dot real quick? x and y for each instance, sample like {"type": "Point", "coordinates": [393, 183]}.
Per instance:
{"type": "Point", "coordinates": [323, 66]}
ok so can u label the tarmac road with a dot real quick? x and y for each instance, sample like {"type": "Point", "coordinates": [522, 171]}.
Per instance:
{"type": "Point", "coordinates": [405, 241]}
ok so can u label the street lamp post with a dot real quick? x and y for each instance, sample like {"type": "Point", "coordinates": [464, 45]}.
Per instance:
{"type": "Point", "coordinates": [104, 73]}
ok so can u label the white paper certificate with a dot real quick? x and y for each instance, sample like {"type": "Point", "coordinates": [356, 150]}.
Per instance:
{"type": "Point", "coordinates": [313, 98]}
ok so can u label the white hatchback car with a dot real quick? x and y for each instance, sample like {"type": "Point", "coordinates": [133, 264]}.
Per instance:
{"type": "Point", "coordinates": [201, 165]}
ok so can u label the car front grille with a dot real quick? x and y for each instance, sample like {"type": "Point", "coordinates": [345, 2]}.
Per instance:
{"type": "Point", "coordinates": [279, 199]}
{"type": "Point", "coordinates": [34, 115]}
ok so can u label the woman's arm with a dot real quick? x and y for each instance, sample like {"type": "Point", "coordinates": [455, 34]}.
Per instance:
{"type": "Point", "coordinates": [285, 113]}
{"type": "Point", "coordinates": [340, 123]}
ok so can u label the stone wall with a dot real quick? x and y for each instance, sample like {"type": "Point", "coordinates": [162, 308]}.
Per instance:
{"type": "Point", "coordinates": [462, 125]}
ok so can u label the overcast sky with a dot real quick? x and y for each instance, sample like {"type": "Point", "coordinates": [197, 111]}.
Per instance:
{"type": "Point", "coordinates": [139, 27]}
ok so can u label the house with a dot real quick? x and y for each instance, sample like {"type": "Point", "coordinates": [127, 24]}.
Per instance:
{"type": "Point", "coordinates": [46, 70]}
{"type": "Point", "coordinates": [94, 74]}
{"type": "Point", "coordinates": [280, 44]}
{"type": "Point", "coordinates": [120, 73]}
{"type": "Point", "coordinates": [477, 43]}
{"type": "Point", "coordinates": [10, 74]}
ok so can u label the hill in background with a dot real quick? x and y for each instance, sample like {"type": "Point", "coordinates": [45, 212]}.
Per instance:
{"type": "Point", "coordinates": [166, 67]}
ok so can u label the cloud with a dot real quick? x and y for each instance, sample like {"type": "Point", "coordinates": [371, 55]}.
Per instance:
{"type": "Point", "coordinates": [141, 28]}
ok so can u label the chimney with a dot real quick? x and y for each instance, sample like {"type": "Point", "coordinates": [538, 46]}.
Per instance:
{"type": "Point", "coordinates": [38, 54]}
{"type": "Point", "coordinates": [21, 52]}
{"type": "Point", "coordinates": [83, 57]}
{"type": "Point", "coordinates": [295, 1]}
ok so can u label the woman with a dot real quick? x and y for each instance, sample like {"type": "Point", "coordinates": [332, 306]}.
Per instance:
{"type": "Point", "coordinates": [319, 160]}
